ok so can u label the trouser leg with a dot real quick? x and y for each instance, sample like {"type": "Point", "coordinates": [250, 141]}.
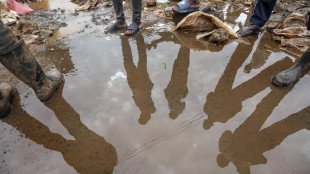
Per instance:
{"type": "Point", "coordinates": [136, 10]}
{"type": "Point", "coordinates": [119, 11]}
{"type": "Point", "coordinates": [262, 11]}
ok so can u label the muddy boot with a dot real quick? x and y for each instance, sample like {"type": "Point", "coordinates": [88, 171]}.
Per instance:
{"type": "Point", "coordinates": [7, 92]}
{"type": "Point", "coordinates": [290, 76]}
{"type": "Point", "coordinates": [19, 61]}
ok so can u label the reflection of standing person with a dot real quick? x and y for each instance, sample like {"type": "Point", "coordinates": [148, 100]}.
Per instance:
{"type": "Point", "coordinates": [226, 101]}
{"type": "Point", "coordinates": [246, 145]}
{"type": "Point", "coordinates": [87, 153]}
{"type": "Point", "coordinates": [138, 78]}
{"type": "Point", "coordinates": [17, 58]}
{"type": "Point", "coordinates": [261, 14]}
{"type": "Point", "coordinates": [177, 87]}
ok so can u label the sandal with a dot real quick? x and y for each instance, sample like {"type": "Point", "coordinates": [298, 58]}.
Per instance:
{"type": "Point", "coordinates": [132, 29]}
{"type": "Point", "coordinates": [249, 30]}
{"type": "Point", "coordinates": [184, 7]}
{"type": "Point", "coordinates": [115, 27]}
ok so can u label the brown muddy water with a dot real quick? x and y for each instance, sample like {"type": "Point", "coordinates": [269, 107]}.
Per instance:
{"type": "Point", "coordinates": [159, 102]}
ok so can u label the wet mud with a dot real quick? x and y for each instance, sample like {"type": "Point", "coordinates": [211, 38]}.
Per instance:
{"type": "Point", "coordinates": [158, 102]}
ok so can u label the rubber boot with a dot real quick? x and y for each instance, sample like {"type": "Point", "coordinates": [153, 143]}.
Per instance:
{"type": "Point", "coordinates": [288, 77]}
{"type": "Point", "coordinates": [7, 92]}
{"type": "Point", "coordinates": [20, 62]}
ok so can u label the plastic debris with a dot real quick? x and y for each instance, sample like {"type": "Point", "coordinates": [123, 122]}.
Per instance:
{"type": "Point", "coordinates": [18, 7]}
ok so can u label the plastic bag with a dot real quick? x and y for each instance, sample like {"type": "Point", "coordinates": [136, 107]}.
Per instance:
{"type": "Point", "coordinates": [18, 7]}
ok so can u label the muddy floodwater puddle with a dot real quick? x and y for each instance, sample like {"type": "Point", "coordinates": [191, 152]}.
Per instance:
{"type": "Point", "coordinates": [159, 102]}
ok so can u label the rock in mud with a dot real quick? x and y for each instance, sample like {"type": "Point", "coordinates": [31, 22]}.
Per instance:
{"type": "Point", "coordinates": [46, 33]}
{"type": "Point", "coordinates": [219, 36]}
{"type": "Point", "coordinates": [168, 12]}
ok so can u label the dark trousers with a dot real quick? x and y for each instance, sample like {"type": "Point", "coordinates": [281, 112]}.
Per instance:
{"type": "Point", "coordinates": [136, 10]}
{"type": "Point", "coordinates": [262, 12]}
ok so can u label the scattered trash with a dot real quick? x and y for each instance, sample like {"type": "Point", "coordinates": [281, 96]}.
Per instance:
{"type": "Point", "coordinates": [150, 3]}
{"type": "Point", "coordinates": [169, 12]}
{"type": "Point", "coordinates": [8, 17]}
{"type": "Point", "coordinates": [219, 36]}
{"type": "Point", "coordinates": [87, 5]}
{"type": "Point", "coordinates": [26, 27]}
{"type": "Point", "coordinates": [293, 34]}
{"type": "Point", "coordinates": [199, 36]}
{"type": "Point", "coordinates": [199, 21]}
{"type": "Point", "coordinates": [18, 7]}
{"type": "Point", "coordinates": [46, 33]}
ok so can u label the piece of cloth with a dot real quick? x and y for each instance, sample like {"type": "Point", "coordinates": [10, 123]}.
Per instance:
{"type": "Point", "coordinates": [7, 38]}
{"type": "Point", "coordinates": [262, 11]}
{"type": "Point", "coordinates": [200, 21]}
{"type": "Point", "coordinates": [136, 11]}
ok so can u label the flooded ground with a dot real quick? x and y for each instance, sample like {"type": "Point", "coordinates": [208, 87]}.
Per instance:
{"type": "Point", "coordinates": [158, 102]}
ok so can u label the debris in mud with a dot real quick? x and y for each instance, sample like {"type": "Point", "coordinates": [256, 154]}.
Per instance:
{"type": "Point", "coordinates": [160, 13]}
{"type": "Point", "coordinates": [8, 17]}
{"type": "Point", "coordinates": [212, 9]}
{"type": "Point", "coordinates": [200, 21]}
{"type": "Point", "coordinates": [87, 5]}
{"type": "Point", "coordinates": [150, 3]}
{"type": "Point", "coordinates": [219, 36]}
{"type": "Point", "coordinates": [46, 33]}
{"type": "Point", "coordinates": [293, 34]}
{"type": "Point", "coordinates": [168, 12]}
{"type": "Point", "coordinates": [26, 27]}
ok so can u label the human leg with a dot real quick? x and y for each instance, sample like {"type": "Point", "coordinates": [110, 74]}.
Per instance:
{"type": "Point", "coordinates": [260, 15]}
{"type": "Point", "coordinates": [135, 26]}
{"type": "Point", "coordinates": [17, 58]}
{"type": "Point", "coordinates": [120, 17]}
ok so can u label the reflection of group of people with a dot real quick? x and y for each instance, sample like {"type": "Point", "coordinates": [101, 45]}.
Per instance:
{"type": "Point", "coordinates": [16, 57]}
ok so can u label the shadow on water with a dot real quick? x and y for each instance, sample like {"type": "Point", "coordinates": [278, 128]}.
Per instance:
{"type": "Point", "coordinates": [177, 87]}
{"type": "Point", "coordinates": [245, 147]}
{"type": "Point", "coordinates": [225, 102]}
{"type": "Point", "coordinates": [138, 78]}
{"type": "Point", "coordinates": [88, 153]}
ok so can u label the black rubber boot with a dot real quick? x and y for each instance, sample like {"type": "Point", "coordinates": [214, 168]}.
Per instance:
{"type": "Point", "coordinates": [7, 92]}
{"type": "Point", "coordinates": [17, 58]}
{"type": "Point", "coordinates": [288, 77]}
